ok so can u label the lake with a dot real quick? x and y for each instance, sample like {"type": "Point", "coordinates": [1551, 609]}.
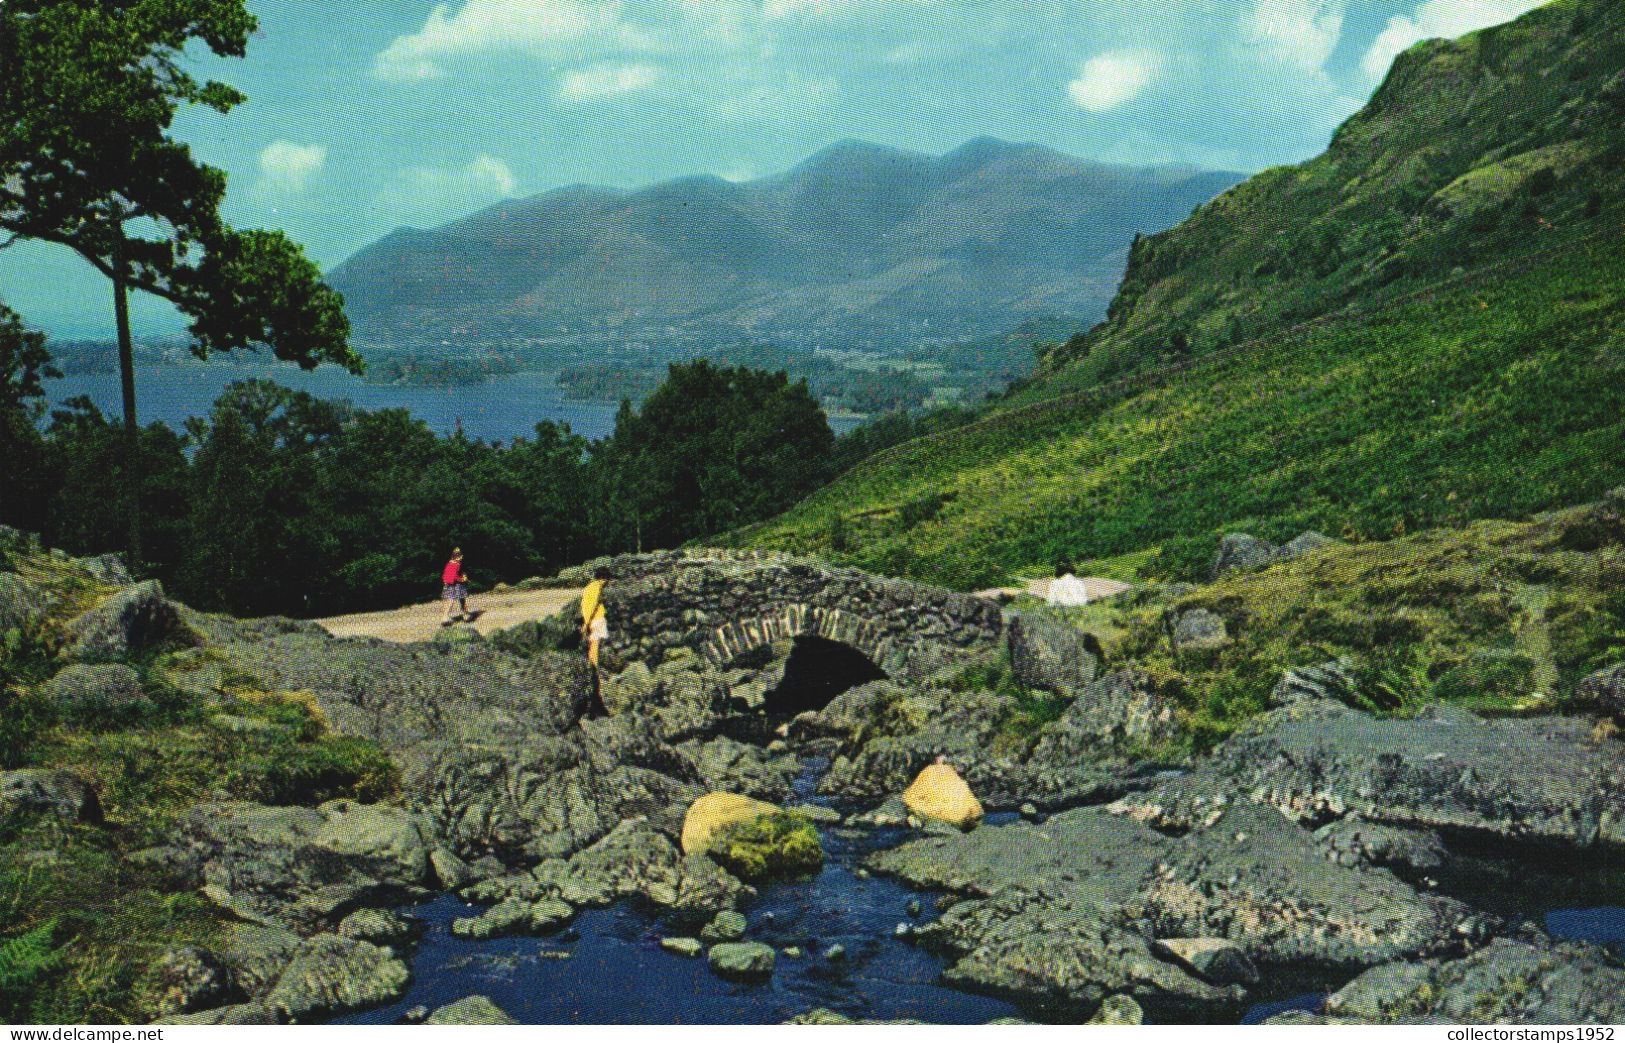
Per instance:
{"type": "Point", "coordinates": [499, 409]}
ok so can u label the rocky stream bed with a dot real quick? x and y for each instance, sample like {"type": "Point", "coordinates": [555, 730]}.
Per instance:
{"type": "Point", "coordinates": [1322, 863]}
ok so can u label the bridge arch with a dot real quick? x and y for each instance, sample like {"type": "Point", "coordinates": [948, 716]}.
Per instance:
{"type": "Point", "coordinates": [723, 605]}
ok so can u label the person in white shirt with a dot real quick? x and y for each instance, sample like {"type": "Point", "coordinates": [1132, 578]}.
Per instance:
{"type": "Point", "coordinates": [1066, 589]}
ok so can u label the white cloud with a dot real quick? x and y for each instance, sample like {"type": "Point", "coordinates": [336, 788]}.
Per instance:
{"type": "Point", "coordinates": [1108, 80]}
{"type": "Point", "coordinates": [424, 193]}
{"type": "Point", "coordinates": [1435, 18]}
{"type": "Point", "coordinates": [288, 166]}
{"type": "Point", "coordinates": [606, 81]}
{"type": "Point", "coordinates": [545, 28]}
{"type": "Point", "coordinates": [1302, 32]}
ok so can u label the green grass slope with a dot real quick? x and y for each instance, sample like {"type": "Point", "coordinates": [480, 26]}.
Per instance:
{"type": "Point", "coordinates": [1486, 380]}
{"type": "Point", "coordinates": [1468, 148]}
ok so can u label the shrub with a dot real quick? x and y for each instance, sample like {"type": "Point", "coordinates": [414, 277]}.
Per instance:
{"type": "Point", "coordinates": [315, 773]}
{"type": "Point", "coordinates": [24, 961]}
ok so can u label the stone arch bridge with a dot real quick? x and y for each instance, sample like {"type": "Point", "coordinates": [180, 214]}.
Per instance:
{"type": "Point", "coordinates": [725, 605]}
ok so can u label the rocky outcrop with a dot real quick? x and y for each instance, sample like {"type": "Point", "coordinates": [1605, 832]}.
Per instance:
{"type": "Point", "coordinates": [96, 692]}
{"type": "Point", "coordinates": [49, 791]}
{"type": "Point", "coordinates": [1068, 911]}
{"type": "Point", "coordinates": [1506, 982]}
{"type": "Point", "coordinates": [1317, 760]}
{"type": "Point", "coordinates": [1051, 654]}
{"type": "Point", "coordinates": [887, 733]}
{"type": "Point", "coordinates": [131, 620]}
{"type": "Point", "coordinates": [1239, 551]}
{"type": "Point", "coordinates": [1198, 630]}
{"type": "Point", "coordinates": [329, 975]}
{"type": "Point", "coordinates": [306, 868]}
{"type": "Point", "coordinates": [1605, 690]}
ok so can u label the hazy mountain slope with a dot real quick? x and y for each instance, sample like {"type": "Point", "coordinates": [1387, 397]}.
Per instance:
{"type": "Point", "coordinates": [1498, 389]}
{"type": "Point", "coordinates": [857, 241]}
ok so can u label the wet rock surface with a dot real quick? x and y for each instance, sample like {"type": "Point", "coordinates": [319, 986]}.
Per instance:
{"type": "Point", "coordinates": [1508, 981]}
{"type": "Point", "coordinates": [1067, 912]}
{"type": "Point", "coordinates": [1316, 760]}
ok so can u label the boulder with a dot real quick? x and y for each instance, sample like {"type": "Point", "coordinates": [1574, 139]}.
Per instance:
{"type": "Point", "coordinates": [715, 812]}
{"type": "Point", "coordinates": [769, 847]}
{"type": "Point", "coordinates": [628, 690]}
{"type": "Point", "coordinates": [1199, 629]}
{"type": "Point", "coordinates": [1238, 550]}
{"type": "Point", "coordinates": [683, 946]}
{"type": "Point", "coordinates": [307, 868]}
{"type": "Point", "coordinates": [49, 791]}
{"type": "Point", "coordinates": [1049, 654]}
{"type": "Point", "coordinates": [135, 618]}
{"type": "Point", "coordinates": [96, 692]}
{"type": "Point", "coordinates": [22, 604]}
{"type": "Point", "coordinates": [1214, 959]}
{"type": "Point", "coordinates": [331, 975]}
{"type": "Point", "coordinates": [726, 926]}
{"type": "Point", "coordinates": [510, 916]}
{"type": "Point", "coordinates": [187, 980]}
{"type": "Point", "coordinates": [939, 793]}
{"type": "Point", "coordinates": [107, 569]}
{"type": "Point", "coordinates": [1118, 1010]}
{"type": "Point", "coordinates": [745, 961]}
{"type": "Point", "coordinates": [381, 927]}
{"type": "Point", "coordinates": [1506, 982]}
{"type": "Point", "coordinates": [475, 1010]}
{"type": "Point", "coordinates": [1604, 689]}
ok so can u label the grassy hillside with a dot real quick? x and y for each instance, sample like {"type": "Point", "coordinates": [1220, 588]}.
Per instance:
{"type": "Point", "coordinates": [1468, 149]}
{"type": "Point", "coordinates": [1486, 380]}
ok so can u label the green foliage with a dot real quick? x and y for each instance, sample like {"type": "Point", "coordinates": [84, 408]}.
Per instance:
{"type": "Point", "coordinates": [24, 960]}
{"type": "Point", "coordinates": [316, 773]}
{"type": "Point", "coordinates": [776, 846]}
{"type": "Point", "coordinates": [712, 449]}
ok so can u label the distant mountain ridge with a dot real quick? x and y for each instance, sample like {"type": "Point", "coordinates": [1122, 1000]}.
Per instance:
{"type": "Point", "coordinates": [858, 241]}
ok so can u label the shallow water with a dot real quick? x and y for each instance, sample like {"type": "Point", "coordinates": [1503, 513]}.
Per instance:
{"type": "Point", "coordinates": [610, 968]}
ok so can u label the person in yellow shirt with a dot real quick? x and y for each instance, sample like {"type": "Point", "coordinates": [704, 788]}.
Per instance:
{"type": "Point", "coordinates": [594, 620]}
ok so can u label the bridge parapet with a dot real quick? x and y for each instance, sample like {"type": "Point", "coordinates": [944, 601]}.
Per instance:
{"type": "Point", "coordinates": [726, 604]}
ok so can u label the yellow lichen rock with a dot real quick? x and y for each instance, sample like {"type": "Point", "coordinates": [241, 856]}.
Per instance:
{"type": "Point", "coordinates": [941, 794]}
{"type": "Point", "coordinates": [715, 812]}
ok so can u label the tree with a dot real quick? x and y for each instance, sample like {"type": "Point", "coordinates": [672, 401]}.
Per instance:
{"type": "Point", "coordinates": [712, 449]}
{"type": "Point", "coordinates": [90, 90]}
{"type": "Point", "coordinates": [23, 363]}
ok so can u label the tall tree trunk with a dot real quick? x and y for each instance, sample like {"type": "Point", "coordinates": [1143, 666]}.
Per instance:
{"type": "Point", "coordinates": [132, 431]}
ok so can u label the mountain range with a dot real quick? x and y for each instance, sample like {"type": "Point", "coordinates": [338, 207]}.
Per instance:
{"type": "Point", "coordinates": [858, 244]}
{"type": "Point", "coordinates": [1420, 327]}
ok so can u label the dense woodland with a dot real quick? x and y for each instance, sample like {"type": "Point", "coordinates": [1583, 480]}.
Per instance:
{"type": "Point", "coordinates": [278, 502]}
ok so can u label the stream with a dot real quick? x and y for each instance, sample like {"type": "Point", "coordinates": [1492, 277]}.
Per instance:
{"type": "Point", "coordinates": [609, 968]}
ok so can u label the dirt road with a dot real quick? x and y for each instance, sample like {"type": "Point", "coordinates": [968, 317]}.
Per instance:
{"type": "Point", "coordinates": [497, 611]}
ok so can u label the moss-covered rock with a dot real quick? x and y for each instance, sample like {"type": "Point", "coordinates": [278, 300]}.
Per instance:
{"type": "Point", "coordinates": [781, 844]}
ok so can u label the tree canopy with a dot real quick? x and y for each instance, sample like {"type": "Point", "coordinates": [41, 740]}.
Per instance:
{"type": "Point", "coordinates": [90, 90]}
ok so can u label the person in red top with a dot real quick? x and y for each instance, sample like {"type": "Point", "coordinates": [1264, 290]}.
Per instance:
{"type": "Point", "coordinates": [454, 587]}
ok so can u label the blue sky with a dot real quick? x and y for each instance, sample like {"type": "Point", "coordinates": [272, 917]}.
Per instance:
{"type": "Point", "coordinates": [371, 114]}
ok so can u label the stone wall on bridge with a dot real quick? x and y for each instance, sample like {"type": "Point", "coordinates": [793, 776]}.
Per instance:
{"type": "Point", "coordinates": [726, 604]}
